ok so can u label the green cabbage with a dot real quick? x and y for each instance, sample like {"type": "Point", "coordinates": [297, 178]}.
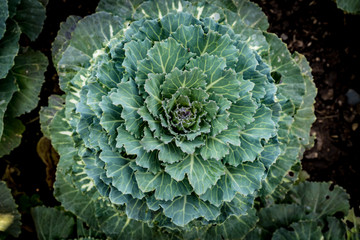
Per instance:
{"type": "Point", "coordinates": [176, 116]}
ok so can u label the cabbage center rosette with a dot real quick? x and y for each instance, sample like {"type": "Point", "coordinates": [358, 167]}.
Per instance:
{"type": "Point", "coordinates": [181, 129]}
{"type": "Point", "coordinates": [177, 116]}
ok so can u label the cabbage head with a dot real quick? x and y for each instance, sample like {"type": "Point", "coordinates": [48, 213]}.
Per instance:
{"type": "Point", "coordinates": [176, 116]}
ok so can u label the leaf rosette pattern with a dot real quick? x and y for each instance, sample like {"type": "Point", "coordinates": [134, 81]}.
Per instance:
{"type": "Point", "coordinates": [175, 117]}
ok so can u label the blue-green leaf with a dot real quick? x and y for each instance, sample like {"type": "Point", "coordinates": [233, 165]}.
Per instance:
{"type": "Point", "coordinates": [165, 187]}
{"type": "Point", "coordinates": [202, 173]}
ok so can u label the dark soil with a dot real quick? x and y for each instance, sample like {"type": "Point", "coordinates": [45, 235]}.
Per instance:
{"type": "Point", "coordinates": [317, 29]}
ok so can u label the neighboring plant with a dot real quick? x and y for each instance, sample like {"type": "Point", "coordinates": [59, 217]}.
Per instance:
{"type": "Point", "coordinates": [349, 6]}
{"type": "Point", "coordinates": [9, 215]}
{"type": "Point", "coordinates": [21, 69]}
{"type": "Point", "coordinates": [310, 210]}
{"type": "Point", "coordinates": [177, 116]}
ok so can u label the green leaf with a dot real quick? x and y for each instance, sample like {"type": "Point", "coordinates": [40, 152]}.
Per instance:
{"type": "Point", "coordinates": [135, 51]}
{"type": "Point", "coordinates": [349, 6]}
{"type": "Point", "coordinates": [111, 116]}
{"type": "Point", "coordinates": [165, 187]}
{"type": "Point", "coordinates": [9, 215]}
{"type": "Point", "coordinates": [7, 88]}
{"type": "Point", "coordinates": [56, 103]}
{"type": "Point", "coordinates": [12, 6]}
{"type": "Point", "coordinates": [158, 9]}
{"type": "Point", "coordinates": [238, 206]}
{"type": "Point", "coordinates": [305, 116]}
{"type": "Point", "coordinates": [121, 8]}
{"type": "Point", "coordinates": [101, 27]}
{"type": "Point", "coordinates": [51, 223]}
{"type": "Point", "coordinates": [336, 229]}
{"type": "Point", "coordinates": [128, 97]}
{"type": "Point", "coordinates": [152, 87]}
{"type": "Point", "coordinates": [153, 30]}
{"type": "Point", "coordinates": [182, 79]}
{"type": "Point", "coordinates": [235, 227]}
{"type": "Point", "coordinates": [63, 37]}
{"type": "Point", "coordinates": [201, 173]}
{"type": "Point", "coordinates": [11, 137]}
{"type": "Point", "coordinates": [305, 230]}
{"type": "Point", "coordinates": [221, 120]}
{"type": "Point", "coordinates": [163, 57]}
{"type": "Point", "coordinates": [244, 179]}
{"type": "Point", "coordinates": [193, 38]}
{"type": "Point", "coordinates": [28, 72]}
{"type": "Point", "coordinates": [168, 153]}
{"type": "Point", "coordinates": [257, 18]}
{"type": "Point", "coordinates": [217, 147]}
{"type": "Point", "coordinates": [4, 14]}
{"type": "Point", "coordinates": [122, 175]}
{"type": "Point", "coordinates": [9, 47]}
{"type": "Point", "coordinates": [261, 128]}
{"type": "Point", "coordinates": [280, 215]}
{"type": "Point", "coordinates": [30, 16]}
{"type": "Point", "coordinates": [292, 84]}
{"type": "Point", "coordinates": [243, 110]}
{"type": "Point", "coordinates": [184, 209]}
{"type": "Point", "coordinates": [172, 21]}
{"type": "Point", "coordinates": [320, 198]}
{"type": "Point", "coordinates": [154, 125]}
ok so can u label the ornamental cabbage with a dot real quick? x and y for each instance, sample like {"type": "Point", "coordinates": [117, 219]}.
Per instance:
{"type": "Point", "coordinates": [176, 116]}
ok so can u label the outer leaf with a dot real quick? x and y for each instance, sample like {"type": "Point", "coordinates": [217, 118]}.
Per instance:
{"type": "Point", "coordinates": [11, 137]}
{"type": "Point", "coordinates": [320, 199]}
{"type": "Point", "coordinates": [349, 6]}
{"type": "Point", "coordinates": [29, 72]}
{"type": "Point", "coordinates": [9, 215]}
{"type": "Point", "coordinates": [30, 16]}
{"type": "Point", "coordinates": [51, 223]}
{"type": "Point", "coordinates": [63, 37]}
{"type": "Point", "coordinates": [165, 187]}
{"type": "Point", "coordinates": [47, 113]}
{"type": "Point", "coordinates": [336, 229]}
{"type": "Point", "coordinates": [305, 115]}
{"type": "Point", "coordinates": [292, 83]}
{"type": "Point", "coordinates": [102, 27]}
{"type": "Point", "coordinates": [7, 89]}
{"type": "Point", "coordinates": [235, 227]}
{"type": "Point", "coordinates": [306, 230]}
{"type": "Point", "coordinates": [280, 215]}
{"type": "Point", "coordinates": [158, 9]}
{"type": "Point", "coordinates": [184, 209]}
{"type": "Point", "coordinates": [123, 8]}
{"type": "Point", "coordinates": [12, 6]}
{"type": "Point", "coordinates": [9, 47]}
{"type": "Point", "coordinates": [4, 14]}
{"type": "Point", "coordinates": [202, 173]}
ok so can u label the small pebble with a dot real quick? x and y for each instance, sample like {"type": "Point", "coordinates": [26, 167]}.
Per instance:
{"type": "Point", "coordinates": [354, 126]}
{"type": "Point", "coordinates": [353, 97]}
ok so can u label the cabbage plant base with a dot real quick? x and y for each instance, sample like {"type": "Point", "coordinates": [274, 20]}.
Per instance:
{"type": "Point", "coordinates": [177, 115]}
